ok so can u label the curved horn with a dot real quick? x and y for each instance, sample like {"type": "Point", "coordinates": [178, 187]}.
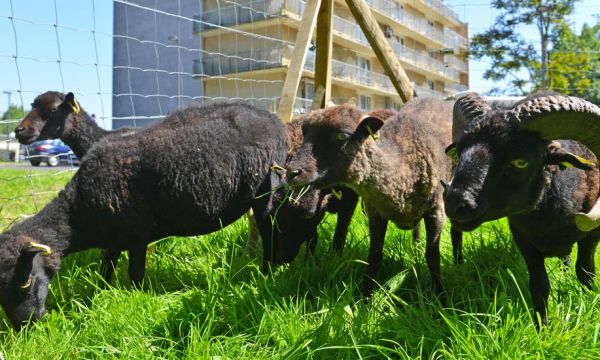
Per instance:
{"type": "Point", "coordinates": [562, 117]}
{"type": "Point", "coordinates": [565, 117]}
{"type": "Point", "coordinates": [466, 109]}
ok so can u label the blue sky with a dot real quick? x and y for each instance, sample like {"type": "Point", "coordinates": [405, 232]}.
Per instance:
{"type": "Point", "coordinates": [86, 57]}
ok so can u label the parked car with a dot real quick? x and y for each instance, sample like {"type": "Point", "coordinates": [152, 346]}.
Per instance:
{"type": "Point", "coordinates": [52, 152]}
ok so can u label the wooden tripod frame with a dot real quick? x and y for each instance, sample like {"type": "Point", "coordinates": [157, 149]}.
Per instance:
{"type": "Point", "coordinates": [319, 14]}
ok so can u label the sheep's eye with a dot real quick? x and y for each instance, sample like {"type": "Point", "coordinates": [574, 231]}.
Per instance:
{"type": "Point", "coordinates": [342, 136]}
{"type": "Point", "coordinates": [520, 163]}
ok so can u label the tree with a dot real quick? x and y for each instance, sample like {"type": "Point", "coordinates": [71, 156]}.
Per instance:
{"type": "Point", "coordinates": [575, 63]}
{"type": "Point", "coordinates": [510, 53]}
{"type": "Point", "coordinates": [14, 112]}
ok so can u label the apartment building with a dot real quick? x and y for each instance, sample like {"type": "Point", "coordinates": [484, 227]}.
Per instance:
{"type": "Point", "coordinates": [248, 45]}
{"type": "Point", "coordinates": [154, 48]}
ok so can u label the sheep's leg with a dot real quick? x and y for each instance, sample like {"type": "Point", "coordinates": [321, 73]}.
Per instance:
{"type": "Point", "coordinates": [265, 226]}
{"type": "Point", "coordinates": [585, 266]}
{"type": "Point", "coordinates": [312, 244]}
{"type": "Point", "coordinates": [416, 233]}
{"type": "Point", "coordinates": [137, 265]}
{"type": "Point", "coordinates": [457, 242]}
{"type": "Point", "coordinates": [434, 223]}
{"type": "Point", "coordinates": [377, 230]}
{"type": "Point", "coordinates": [349, 201]}
{"type": "Point", "coordinates": [539, 285]}
{"type": "Point", "coordinates": [108, 263]}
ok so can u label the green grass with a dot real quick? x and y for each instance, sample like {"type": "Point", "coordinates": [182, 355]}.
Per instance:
{"type": "Point", "coordinates": [205, 298]}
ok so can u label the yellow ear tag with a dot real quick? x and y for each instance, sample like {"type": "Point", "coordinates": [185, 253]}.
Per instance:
{"type": "Point", "coordinates": [47, 250]}
{"type": "Point", "coordinates": [453, 155]}
{"type": "Point", "coordinates": [336, 193]}
{"type": "Point", "coordinates": [585, 161]}
{"type": "Point", "coordinates": [75, 107]}
{"type": "Point", "coordinates": [373, 135]}
{"type": "Point", "coordinates": [27, 284]}
{"type": "Point", "coordinates": [276, 167]}
{"type": "Point", "coordinates": [566, 164]}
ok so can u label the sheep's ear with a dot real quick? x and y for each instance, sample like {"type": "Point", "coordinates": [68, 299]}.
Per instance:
{"type": "Point", "coordinates": [369, 125]}
{"type": "Point", "coordinates": [559, 156]}
{"type": "Point", "coordinates": [71, 103]}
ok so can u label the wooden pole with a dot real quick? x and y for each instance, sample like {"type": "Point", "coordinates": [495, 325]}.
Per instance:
{"type": "Point", "coordinates": [292, 78]}
{"type": "Point", "coordinates": [323, 57]}
{"type": "Point", "coordinates": [362, 13]}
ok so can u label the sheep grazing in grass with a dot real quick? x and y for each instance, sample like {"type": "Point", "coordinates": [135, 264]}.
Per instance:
{"type": "Point", "coordinates": [298, 213]}
{"type": "Point", "coordinates": [396, 166]}
{"type": "Point", "coordinates": [509, 165]}
{"type": "Point", "coordinates": [55, 115]}
{"type": "Point", "coordinates": [193, 173]}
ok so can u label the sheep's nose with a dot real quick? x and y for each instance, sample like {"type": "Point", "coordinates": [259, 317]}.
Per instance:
{"type": "Point", "coordinates": [460, 208]}
{"type": "Point", "coordinates": [19, 129]}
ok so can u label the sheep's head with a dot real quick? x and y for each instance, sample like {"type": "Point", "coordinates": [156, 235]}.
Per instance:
{"type": "Point", "coordinates": [48, 118]}
{"type": "Point", "coordinates": [331, 139]}
{"type": "Point", "coordinates": [26, 268]}
{"type": "Point", "coordinates": [297, 216]}
{"type": "Point", "coordinates": [501, 154]}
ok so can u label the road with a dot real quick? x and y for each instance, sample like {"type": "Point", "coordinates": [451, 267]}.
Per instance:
{"type": "Point", "coordinates": [25, 165]}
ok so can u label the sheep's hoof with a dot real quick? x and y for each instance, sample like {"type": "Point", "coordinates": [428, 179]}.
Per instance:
{"type": "Point", "coordinates": [585, 222]}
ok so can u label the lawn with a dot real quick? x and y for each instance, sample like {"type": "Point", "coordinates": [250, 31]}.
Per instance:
{"type": "Point", "coordinates": [205, 297]}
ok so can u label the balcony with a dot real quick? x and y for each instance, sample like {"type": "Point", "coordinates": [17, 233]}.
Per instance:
{"type": "Point", "coordinates": [454, 88]}
{"type": "Point", "coordinates": [247, 12]}
{"type": "Point", "coordinates": [425, 92]}
{"type": "Point", "coordinates": [457, 63]}
{"type": "Point", "coordinates": [260, 10]}
{"type": "Point", "coordinates": [442, 9]}
{"type": "Point", "coordinates": [350, 30]}
{"type": "Point", "coordinates": [260, 59]}
{"type": "Point", "coordinates": [454, 40]}
{"type": "Point", "coordinates": [423, 60]}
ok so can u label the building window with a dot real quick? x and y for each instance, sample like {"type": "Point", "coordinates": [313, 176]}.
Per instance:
{"type": "Point", "coordinates": [398, 10]}
{"type": "Point", "coordinates": [397, 106]}
{"type": "Point", "coordinates": [363, 63]}
{"type": "Point", "coordinates": [431, 84]}
{"type": "Point", "coordinates": [364, 102]}
{"type": "Point", "coordinates": [308, 90]}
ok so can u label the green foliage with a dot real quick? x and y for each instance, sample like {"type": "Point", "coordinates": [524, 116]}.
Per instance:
{"type": "Point", "coordinates": [575, 63]}
{"type": "Point", "coordinates": [15, 113]}
{"type": "Point", "coordinates": [513, 58]}
{"type": "Point", "coordinates": [205, 298]}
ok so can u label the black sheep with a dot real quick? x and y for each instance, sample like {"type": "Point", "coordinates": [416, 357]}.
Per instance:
{"type": "Point", "coordinates": [193, 173]}
{"type": "Point", "coordinates": [508, 165]}
{"type": "Point", "coordinates": [55, 115]}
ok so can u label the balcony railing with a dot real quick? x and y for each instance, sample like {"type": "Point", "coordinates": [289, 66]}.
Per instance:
{"type": "Point", "coordinates": [258, 10]}
{"type": "Point", "coordinates": [259, 59]}
{"type": "Point", "coordinates": [349, 29]}
{"type": "Point", "coordinates": [442, 8]}
{"type": "Point", "coordinates": [426, 92]}
{"type": "Point", "coordinates": [454, 88]}
{"type": "Point", "coordinates": [250, 11]}
{"type": "Point", "coordinates": [423, 60]}
{"type": "Point", "coordinates": [457, 63]}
